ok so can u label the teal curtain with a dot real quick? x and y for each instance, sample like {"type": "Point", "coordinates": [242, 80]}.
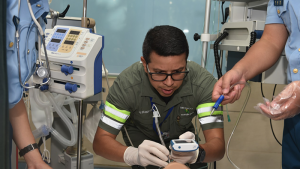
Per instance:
{"type": "Point", "coordinates": [124, 24]}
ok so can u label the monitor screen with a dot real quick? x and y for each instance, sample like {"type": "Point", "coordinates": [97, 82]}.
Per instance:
{"type": "Point", "coordinates": [182, 141]}
{"type": "Point", "coordinates": [69, 42]}
{"type": "Point", "coordinates": [74, 32]}
{"type": "Point", "coordinates": [61, 30]}
{"type": "Point", "coordinates": [55, 40]}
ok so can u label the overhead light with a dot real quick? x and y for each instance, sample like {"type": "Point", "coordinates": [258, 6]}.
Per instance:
{"type": "Point", "coordinates": [186, 31]}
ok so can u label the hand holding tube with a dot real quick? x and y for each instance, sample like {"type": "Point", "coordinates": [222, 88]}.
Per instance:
{"type": "Point", "coordinates": [230, 85]}
{"type": "Point", "coordinates": [285, 105]}
{"type": "Point", "coordinates": [148, 153]}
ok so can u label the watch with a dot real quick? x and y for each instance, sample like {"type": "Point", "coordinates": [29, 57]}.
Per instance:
{"type": "Point", "coordinates": [28, 148]}
{"type": "Point", "coordinates": [201, 155]}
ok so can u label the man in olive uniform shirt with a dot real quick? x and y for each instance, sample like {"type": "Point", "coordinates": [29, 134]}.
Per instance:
{"type": "Point", "coordinates": [180, 90]}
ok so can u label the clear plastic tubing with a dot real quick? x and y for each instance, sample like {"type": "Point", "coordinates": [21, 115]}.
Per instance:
{"type": "Point", "coordinates": [237, 121]}
{"type": "Point", "coordinates": [68, 123]}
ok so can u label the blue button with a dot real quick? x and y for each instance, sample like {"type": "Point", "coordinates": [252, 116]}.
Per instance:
{"type": "Point", "coordinates": [26, 84]}
{"type": "Point", "coordinates": [67, 69]}
{"type": "Point", "coordinates": [179, 147]}
{"type": "Point", "coordinates": [71, 87]}
{"type": "Point", "coordinates": [44, 87]}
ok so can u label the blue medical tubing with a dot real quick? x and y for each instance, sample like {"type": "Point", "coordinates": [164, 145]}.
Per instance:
{"type": "Point", "coordinates": [156, 124]}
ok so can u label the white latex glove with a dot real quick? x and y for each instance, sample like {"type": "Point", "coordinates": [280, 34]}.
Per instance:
{"type": "Point", "coordinates": [185, 157]}
{"type": "Point", "coordinates": [148, 153]}
{"type": "Point", "coordinates": [285, 105]}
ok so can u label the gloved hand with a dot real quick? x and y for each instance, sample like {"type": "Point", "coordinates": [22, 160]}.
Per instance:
{"type": "Point", "coordinates": [185, 157]}
{"type": "Point", "coordinates": [148, 153]}
{"type": "Point", "coordinates": [285, 105]}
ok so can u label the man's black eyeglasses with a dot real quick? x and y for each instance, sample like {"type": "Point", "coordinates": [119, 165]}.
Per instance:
{"type": "Point", "coordinates": [163, 76]}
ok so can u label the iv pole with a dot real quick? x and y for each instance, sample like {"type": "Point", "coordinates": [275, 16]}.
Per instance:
{"type": "Point", "coordinates": [79, 136]}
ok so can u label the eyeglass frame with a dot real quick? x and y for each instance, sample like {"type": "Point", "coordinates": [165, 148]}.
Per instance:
{"type": "Point", "coordinates": [168, 74]}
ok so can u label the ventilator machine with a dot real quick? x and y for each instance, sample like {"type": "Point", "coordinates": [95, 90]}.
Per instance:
{"type": "Point", "coordinates": [75, 57]}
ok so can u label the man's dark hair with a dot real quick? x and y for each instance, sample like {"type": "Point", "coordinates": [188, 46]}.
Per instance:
{"type": "Point", "coordinates": [166, 41]}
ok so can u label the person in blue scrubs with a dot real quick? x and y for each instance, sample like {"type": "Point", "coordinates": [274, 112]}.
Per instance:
{"type": "Point", "coordinates": [22, 134]}
{"type": "Point", "coordinates": [282, 31]}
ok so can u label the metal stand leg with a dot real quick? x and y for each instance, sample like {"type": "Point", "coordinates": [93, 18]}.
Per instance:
{"type": "Point", "coordinates": [79, 134]}
{"type": "Point", "coordinates": [205, 31]}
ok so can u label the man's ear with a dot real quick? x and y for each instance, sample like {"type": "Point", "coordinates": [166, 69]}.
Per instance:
{"type": "Point", "coordinates": [144, 64]}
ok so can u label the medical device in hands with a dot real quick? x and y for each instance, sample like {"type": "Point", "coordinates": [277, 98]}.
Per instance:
{"type": "Point", "coordinates": [184, 145]}
{"type": "Point", "coordinates": [217, 104]}
{"type": "Point", "coordinates": [75, 57]}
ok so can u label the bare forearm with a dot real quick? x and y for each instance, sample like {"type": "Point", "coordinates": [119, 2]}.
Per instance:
{"type": "Point", "coordinates": [264, 53]}
{"type": "Point", "coordinates": [259, 58]}
{"type": "Point", "coordinates": [22, 134]}
{"type": "Point", "coordinates": [108, 147]}
{"type": "Point", "coordinates": [214, 150]}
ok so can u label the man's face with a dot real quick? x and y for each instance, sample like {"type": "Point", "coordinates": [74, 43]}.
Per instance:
{"type": "Point", "coordinates": [162, 64]}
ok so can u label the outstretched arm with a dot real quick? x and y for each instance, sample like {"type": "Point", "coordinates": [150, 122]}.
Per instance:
{"type": "Point", "coordinates": [261, 56]}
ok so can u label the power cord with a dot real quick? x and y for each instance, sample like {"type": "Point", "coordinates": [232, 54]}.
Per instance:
{"type": "Point", "coordinates": [262, 93]}
{"type": "Point", "coordinates": [223, 17]}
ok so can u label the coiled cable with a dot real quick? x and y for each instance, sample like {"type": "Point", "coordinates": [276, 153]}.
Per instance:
{"type": "Point", "coordinates": [217, 57]}
{"type": "Point", "coordinates": [252, 38]}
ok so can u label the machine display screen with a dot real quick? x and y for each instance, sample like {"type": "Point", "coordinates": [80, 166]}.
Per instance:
{"type": "Point", "coordinates": [75, 32]}
{"type": "Point", "coordinates": [55, 40]}
{"type": "Point", "coordinates": [61, 30]}
{"type": "Point", "coordinates": [69, 42]}
{"type": "Point", "coordinates": [182, 141]}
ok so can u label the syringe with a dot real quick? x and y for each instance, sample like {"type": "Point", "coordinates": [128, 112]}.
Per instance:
{"type": "Point", "coordinates": [218, 102]}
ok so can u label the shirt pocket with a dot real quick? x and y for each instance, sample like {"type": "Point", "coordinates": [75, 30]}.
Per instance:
{"type": "Point", "coordinates": [184, 121]}
{"type": "Point", "coordinates": [10, 37]}
{"type": "Point", "coordinates": [27, 50]}
{"type": "Point", "coordinates": [144, 120]}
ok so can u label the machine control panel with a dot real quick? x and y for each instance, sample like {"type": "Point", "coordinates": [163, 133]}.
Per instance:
{"type": "Point", "coordinates": [57, 38]}
{"type": "Point", "coordinates": [69, 41]}
{"type": "Point", "coordinates": [63, 41]}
